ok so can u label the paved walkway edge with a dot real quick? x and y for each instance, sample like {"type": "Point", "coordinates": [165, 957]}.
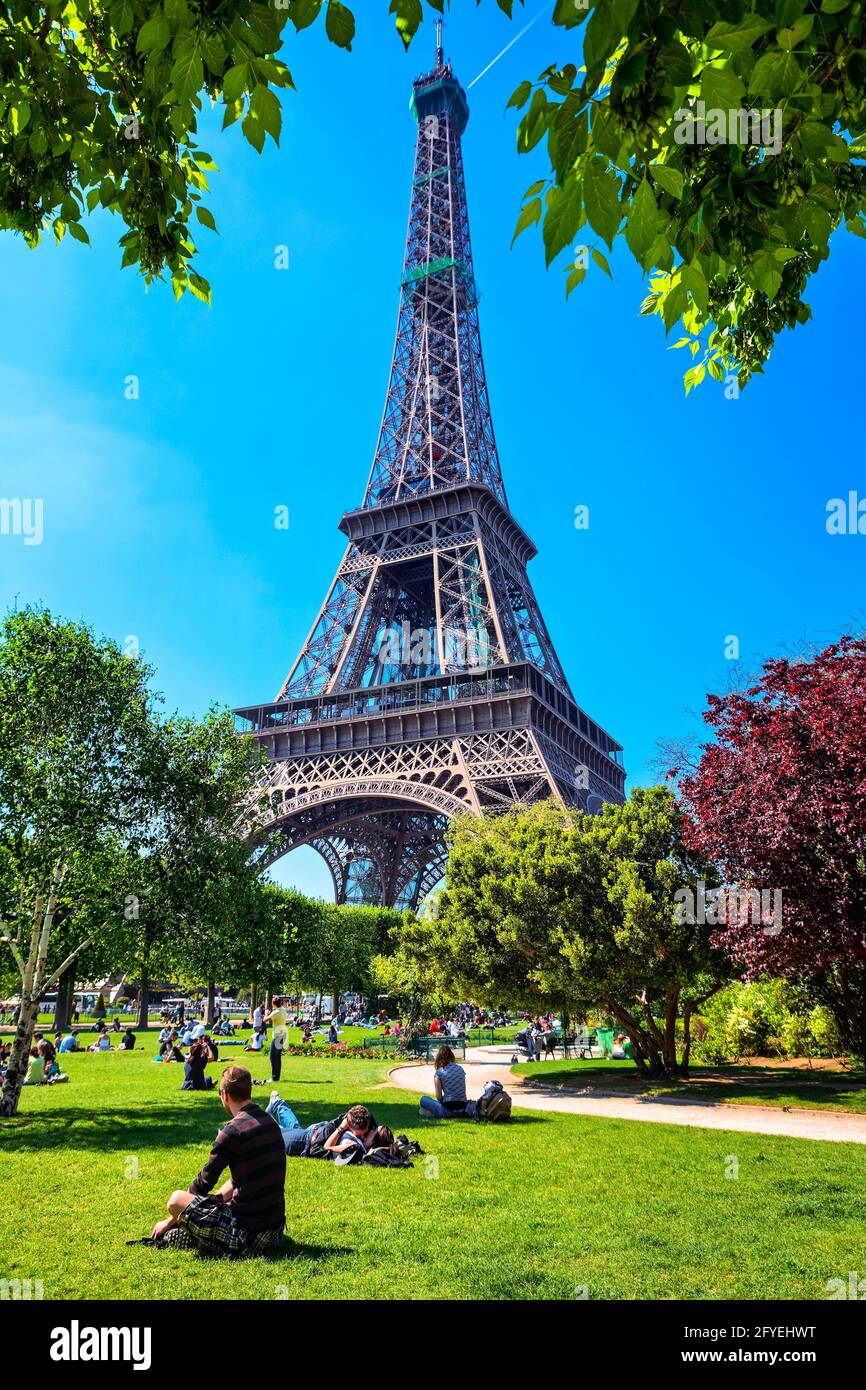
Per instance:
{"type": "Point", "coordinates": [833, 1126]}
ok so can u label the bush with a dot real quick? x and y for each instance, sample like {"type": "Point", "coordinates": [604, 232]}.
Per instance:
{"type": "Point", "coordinates": [767, 1017]}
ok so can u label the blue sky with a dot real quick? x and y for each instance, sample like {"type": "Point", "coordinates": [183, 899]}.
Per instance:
{"type": "Point", "coordinates": [707, 516]}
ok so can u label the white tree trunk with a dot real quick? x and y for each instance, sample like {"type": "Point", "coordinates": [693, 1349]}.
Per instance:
{"type": "Point", "coordinates": [32, 985]}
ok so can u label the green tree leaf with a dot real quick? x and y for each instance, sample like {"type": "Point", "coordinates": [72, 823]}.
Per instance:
{"type": "Point", "coordinates": [738, 38]}
{"type": "Point", "coordinates": [408, 15]}
{"type": "Point", "coordinates": [601, 261]}
{"type": "Point", "coordinates": [265, 107]}
{"type": "Point", "coordinates": [237, 80]}
{"type": "Point", "coordinates": [303, 13]}
{"type": "Point", "coordinates": [154, 35]}
{"type": "Point", "coordinates": [528, 216]}
{"type": "Point", "coordinates": [642, 223]}
{"type": "Point", "coordinates": [721, 88]}
{"type": "Point", "coordinates": [205, 216]}
{"type": "Point", "coordinates": [601, 197]}
{"type": "Point", "coordinates": [187, 73]}
{"type": "Point", "coordinates": [563, 218]}
{"type": "Point", "coordinates": [340, 24]}
{"type": "Point", "coordinates": [668, 178]}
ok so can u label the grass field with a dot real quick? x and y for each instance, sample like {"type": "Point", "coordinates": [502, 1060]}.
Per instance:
{"type": "Point", "coordinates": [533, 1210]}
{"type": "Point", "coordinates": [745, 1085]}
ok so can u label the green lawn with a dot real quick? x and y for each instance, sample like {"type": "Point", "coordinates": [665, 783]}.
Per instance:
{"type": "Point", "coordinates": [529, 1210]}
{"type": "Point", "coordinates": [745, 1085]}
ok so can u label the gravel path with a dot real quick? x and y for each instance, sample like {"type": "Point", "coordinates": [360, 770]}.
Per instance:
{"type": "Point", "coordinates": [833, 1125]}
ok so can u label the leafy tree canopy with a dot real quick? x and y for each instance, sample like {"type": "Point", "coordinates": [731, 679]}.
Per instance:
{"type": "Point", "coordinates": [114, 822]}
{"type": "Point", "coordinates": [656, 138]}
{"type": "Point", "coordinates": [723, 140]}
{"type": "Point", "coordinates": [545, 906]}
{"type": "Point", "coordinates": [778, 799]}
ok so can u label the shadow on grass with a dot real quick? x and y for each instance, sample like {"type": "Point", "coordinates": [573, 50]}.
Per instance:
{"type": "Point", "coordinates": [292, 1250]}
{"type": "Point", "coordinates": [168, 1126]}
{"type": "Point", "coordinates": [148, 1127]}
{"type": "Point", "coordinates": [735, 1082]}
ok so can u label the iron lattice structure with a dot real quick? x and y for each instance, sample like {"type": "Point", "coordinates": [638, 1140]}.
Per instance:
{"type": "Point", "coordinates": [428, 685]}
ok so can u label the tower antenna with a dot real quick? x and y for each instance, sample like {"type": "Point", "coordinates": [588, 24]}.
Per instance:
{"type": "Point", "coordinates": [440, 55]}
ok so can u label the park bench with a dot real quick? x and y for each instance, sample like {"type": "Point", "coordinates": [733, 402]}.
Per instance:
{"type": "Point", "coordinates": [583, 1042]}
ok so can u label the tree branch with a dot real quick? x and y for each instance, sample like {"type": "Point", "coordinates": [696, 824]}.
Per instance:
{"type": "Point", "coordinates": [88, 941]}
{"type": "Point", "coordinates": [19, 960]}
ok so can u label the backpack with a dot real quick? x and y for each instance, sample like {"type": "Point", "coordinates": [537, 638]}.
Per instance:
{"type": "Point", "coordinates": [407, 1147]}
{"type": "Point", "coordinates": [494, 1105]}
{"type": "Point", "coordinates": [384, 1158]}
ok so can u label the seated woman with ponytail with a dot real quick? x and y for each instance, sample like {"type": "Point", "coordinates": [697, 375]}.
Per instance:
{"type": "Point", "coordinates": [449, 1083]}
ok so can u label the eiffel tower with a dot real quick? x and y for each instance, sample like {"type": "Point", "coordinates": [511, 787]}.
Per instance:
{"type": "Point", "coordinates": [428, 686]}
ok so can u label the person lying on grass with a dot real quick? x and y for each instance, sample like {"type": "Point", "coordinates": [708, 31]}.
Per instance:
{"type": "Point", "coordinates": [351, 1138]}
{"type": "Point", "coordinates": [335, 1139]}
{"type": "Point", "coordinates": [245, 1216]}
{"type": "Point", "coordinates": [449, 1083]}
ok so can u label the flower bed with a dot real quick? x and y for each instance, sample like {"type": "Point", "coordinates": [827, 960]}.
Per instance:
{"type": "Point", "coordinates": [294, 1050]}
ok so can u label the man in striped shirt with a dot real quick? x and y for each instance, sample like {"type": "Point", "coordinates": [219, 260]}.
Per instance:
{"type": "Point", "coordinates": [247, 1214]}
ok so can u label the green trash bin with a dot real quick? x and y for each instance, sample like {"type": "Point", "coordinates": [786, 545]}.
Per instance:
{"type": "Point", "coordinates": [605, 1040]}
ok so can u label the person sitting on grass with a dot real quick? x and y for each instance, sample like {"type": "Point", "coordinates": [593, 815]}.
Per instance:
{"type": "Point", "coordinates": [255, 1043]}
{"type": "Point", "coordinates": [333, 1035]}
{"type": "Point", "coordinates": [69, 1043]}
{"type": "Point", "coordinates": [102, 1044]}
{"type": "Point", "coordinates": [247, 1215]}
{"type": "Point", "coordinates": [42, 1070]}
{"type": "Point", "coordinates": [449, 1083]}
{"type": "Point", "coordinates": [172, 1051]}
{"type": "Point", "coordinates": [50, 1066]}
{"type": "Point", "coordinates": [47, 1050]}
{"type": "Point", "coordinates": [36, 1070]}
{"type": "Point", "coordinates": [127, 1042]}
{"type": "Point", "coordinates": [194, 1078]}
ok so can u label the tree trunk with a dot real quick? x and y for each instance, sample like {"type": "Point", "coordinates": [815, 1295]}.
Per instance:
{"type": "Point", "coordinates": [208, 1017]}
{"type": "Point", "coordinates": [687, 1042]}
{"type": "Point", "coordinates": [648, 1055]}
{"type": "Point", "coordinates": [254, 998]}
{"type": "Point", "coordinates": [32, 984]}
{"type": "Point", "coordinates": [672, 999]}
{"type": "Point", "coordinates": [19, 1060]}
{"type": "Point", "coordinates": [269, 1002]}
{"type": "Point", "coordinates": [65, 998]}
{"type": "Point", "coordinates": [144, 998]}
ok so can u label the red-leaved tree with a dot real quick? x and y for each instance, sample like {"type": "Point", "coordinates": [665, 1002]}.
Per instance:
{"type": "Point", "coordinates": [779, 802]}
